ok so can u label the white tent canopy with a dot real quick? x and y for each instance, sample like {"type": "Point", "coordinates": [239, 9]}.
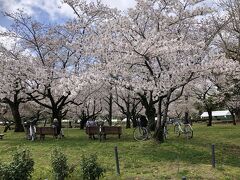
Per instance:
{"type": "Point", "coordinates": [216, 113]}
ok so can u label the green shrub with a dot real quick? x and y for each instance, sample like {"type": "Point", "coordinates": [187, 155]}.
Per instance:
{"type": "Point", "coordinates": [1, 170]}
{"type": "Point", "coordinates": [20, 168]}
{"type": "Point", "coordinates": [60, 166]}
{"type": "Point", "coordinates": [91, 170]}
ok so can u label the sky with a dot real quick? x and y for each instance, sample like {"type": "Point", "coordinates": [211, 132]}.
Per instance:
{"type": "Point", "coordinates": [53, 11]}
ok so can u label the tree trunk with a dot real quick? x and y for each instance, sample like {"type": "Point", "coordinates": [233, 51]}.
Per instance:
{"type": "Point", "coordinates": [110, 109]}
{"type": "Point", "coordinates": [186, 117]}
{"type": "Point", "coordinates": [150, 113]}
{"type": "Point", "coordinates": [150, 110]}
{"type": "Point", "coordinates": [128, 123]}
{"type": "Point", "coordinates": [233, 117]}
{"type": "Point", "coordinates": [186, 114]}
{"type": "Point", "coordinates": [209, 117]}
{"type": "Point", "coordinates": [134, 115]}
{"type": "Point", "coordinates": [128, 114]}
{"type": "Point", "coordinates": [134, 122]}
{"type": "Point", "coordinates": [56, 113]}
{"type": "Point", "coordinates": [237, 114]}
{"type": "Point", "coordinates": [82, 123]}
{"type": "Point", "coordinates": [158, 134]}
{"type": "Point", "coordinates": [16, 116]}
{"type": "Point", "coordinates": [159, 131]}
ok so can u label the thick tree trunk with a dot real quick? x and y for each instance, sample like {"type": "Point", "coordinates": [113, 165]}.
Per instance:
{"type": "Point", "coordinates": [82, 123]}
{"type": "Point", "coordinates": [237, 115]}
{"type": "Point", "coordinates": [150, 113]}
{"type": "Point", "coordinates": [186, 117]}
{"type": "Point", "coordinates": [128, 123]}
{"type": "Point", "coordinates": [233, 117]}
{"type": "Point", "coordinates": [56, 113]}
{"type": "Point", "coordinates": [134, 122]}
{"type": "Point", "coordinates": [159, 131]}
{"type": "Point", "coordinates": [158, 134]}
{"type": "Point", "coordinates": [134, 116]}
{"type": "Point", "coordinates": [209, 117]}
{"type": "Point", "coordinates": [16, 116]}
{"type": "Point", "coordinates": [150, 110]}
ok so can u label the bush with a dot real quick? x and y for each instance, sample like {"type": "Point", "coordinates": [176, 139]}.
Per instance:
{"type": "Point", "coordinates": [20, 168]}
{"type": "Point", "coordinates": [91, 170]}
{"type": "Point", "coordinates": [60, 166]}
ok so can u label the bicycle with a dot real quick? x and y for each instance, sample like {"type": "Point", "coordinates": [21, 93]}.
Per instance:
{"type": "Point", "coordinates": [30, 128]}
{"type": "Point", "coordinates": [186, 130]}
{"type": "Point", "coordinates": [141, 133]}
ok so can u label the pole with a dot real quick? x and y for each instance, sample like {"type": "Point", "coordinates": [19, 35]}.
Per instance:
{"type": "Point", "coordinates": [213, 156]}
{"type": "Point", "coordinates": [117, 160]}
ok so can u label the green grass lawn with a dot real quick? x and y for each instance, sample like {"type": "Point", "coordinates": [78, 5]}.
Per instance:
{"type": "Point", "coordinates": [173, 159]}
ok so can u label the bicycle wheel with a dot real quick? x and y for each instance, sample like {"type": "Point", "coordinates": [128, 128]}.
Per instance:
{"type": "Point", "coordinates": [188, 131]}
{"type": "Point", "coordinates": [177, 130]}
{"type": "Point", "coordinates": [140, 133]}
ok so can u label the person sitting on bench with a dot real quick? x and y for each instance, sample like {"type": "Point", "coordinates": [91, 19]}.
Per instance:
{"type": "Point", "coordinates": [91, 123]}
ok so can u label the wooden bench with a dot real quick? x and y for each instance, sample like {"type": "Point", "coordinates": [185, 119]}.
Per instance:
{"type": "Point", "coordinates": [1, 136]}
{"type": "Point", "coordinates": [91, 131]}
{"type": "Point", "coordinates": [112, 130]}
{"type": "Point", "coordinates": [105, 130]}
{"type": "Point", "coordinates": [42, 131]}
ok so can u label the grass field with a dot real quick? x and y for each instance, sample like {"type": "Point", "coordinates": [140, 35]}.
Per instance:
{"type": "Point", "coordinates": [173, 159]}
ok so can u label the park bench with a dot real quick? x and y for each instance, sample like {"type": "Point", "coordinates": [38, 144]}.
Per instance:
{"type": "Point", "coordinates": [42, 131]}
{"type": "Point", "coordinates": [1, 136]}
{"type": "Point", "coordinates": [91, 131]}
{"type": "Point", "coordinates": [105, 130]}
{"type": "Point", "coordinates": [112, 130]}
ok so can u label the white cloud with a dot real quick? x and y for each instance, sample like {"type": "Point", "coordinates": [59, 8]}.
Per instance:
{"type": "Point", "coordinates": [13, 5]}
{"type": "Point", "coordinates": [6, 41]}
{"type": "Point", "coordinates": [54, 8]}
{"type": "Point", "coordinates": [120, 4]}
{"type": "Point", "coordinates": [3, 29]}
{"type": "Point", "coordinates": [51, 7]}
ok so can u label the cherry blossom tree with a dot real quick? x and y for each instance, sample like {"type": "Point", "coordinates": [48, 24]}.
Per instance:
{"type": "Point", "coordinates": [14, 68]}
{"type": "Point", "coordinates": [207, 95]}
{"type": "Point", "coordinates": [227, 41]}
{"type": "Point", "coordinates": [89, 110]}
{"type": "Point", "coordinates": [60, 72]}
{"type": "Point", "coordinates": [227, 82]}
{"type": "Point", "coordinates": [129, 105]}
{"type": "Point", "coordinates": [154, 50]}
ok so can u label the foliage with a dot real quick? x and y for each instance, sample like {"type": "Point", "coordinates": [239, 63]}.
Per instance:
{"type": "Point", "coordinates": [91, 170]}
{"type": "Point", "coordinates": [20, 168]}
{"type": "Point", "coordinates": [60, 167]}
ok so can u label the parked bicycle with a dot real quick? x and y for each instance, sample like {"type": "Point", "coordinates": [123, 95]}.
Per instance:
{"type": "Point", "coordinates": [30, 128]}
{"type": "Point", "coordinates": [141, 133]}
{"type": "Point", "coordinates": [186, 129]}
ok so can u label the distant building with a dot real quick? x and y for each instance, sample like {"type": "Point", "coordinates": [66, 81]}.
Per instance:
{"type": "Point", "coordinates": [218, 115]}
